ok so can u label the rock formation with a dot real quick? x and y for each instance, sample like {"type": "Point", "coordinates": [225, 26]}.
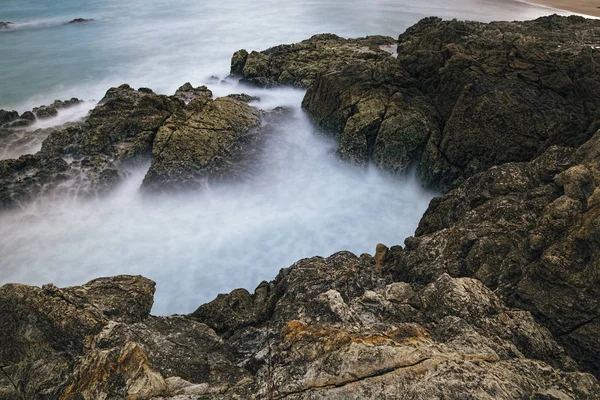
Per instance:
{"type": "Point", "coordinates": [298, 64]}
{"type": "Point", "coordinates": [189, 139]}
{"type": "Point", "coordinates": [332, 328]}
{"type": "Point", "coordinates": [455, 99]}
{"type": "Point", "coordinates": [209, 140]}
{"type": "Point", "coordinates": [495, 297]}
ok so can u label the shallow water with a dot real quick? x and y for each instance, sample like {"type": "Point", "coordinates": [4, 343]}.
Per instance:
{"type": "Point", "coordinates": [300, 202]}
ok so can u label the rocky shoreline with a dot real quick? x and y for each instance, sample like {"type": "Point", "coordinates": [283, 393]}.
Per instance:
{"type": "Point", "coordinates": [495, 297]}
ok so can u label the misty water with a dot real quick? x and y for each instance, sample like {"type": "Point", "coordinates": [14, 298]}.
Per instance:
{"type": "Point", "coordinates": [300, 202]}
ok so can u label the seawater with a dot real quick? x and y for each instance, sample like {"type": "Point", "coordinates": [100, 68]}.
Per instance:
{"type": "Point", "coordinates": [300, 202]}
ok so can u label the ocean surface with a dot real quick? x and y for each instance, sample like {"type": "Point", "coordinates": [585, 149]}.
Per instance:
{"type": "Point", "coordinates": [300, 202]}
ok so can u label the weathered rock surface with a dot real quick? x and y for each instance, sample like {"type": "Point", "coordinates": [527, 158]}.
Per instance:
{"type": "Point", "coordinates": [298, 64]}
{"type": "Point", "coordinates": [187, 92]}
{"type": "Point", "coordinates": [334, 328]}
{"type": "Point", "coordinates": [529, 232]}
{"type": "Point", "coordinates": [90, 157]}
{"type": "Point", "coordinates": [457, 98]}
{"type": "Point", "coordinates": [52, 109]}
{"type": "Point", "coordinates": [28, 177]}
{"type": "Point", "coordinates": [208, 140]}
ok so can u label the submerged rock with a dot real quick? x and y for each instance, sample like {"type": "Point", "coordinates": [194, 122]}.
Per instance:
{"type": "Point", "coordinates": [332, 328]}
{"type": "Point", "coordinates": [79, 21]}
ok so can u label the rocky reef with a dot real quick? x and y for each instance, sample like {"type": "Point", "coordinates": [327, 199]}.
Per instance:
{"type": "Point", "coordinates": [495, 297]}
{"type": "Point", "coordinates": [187, 144]}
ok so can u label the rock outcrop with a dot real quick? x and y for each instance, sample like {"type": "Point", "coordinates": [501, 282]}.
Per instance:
{"type": "Point", "coordinates": [189, 138]}
{"type": "Point", "coordinates": [208, 140]}
{"type": "Point", "coordinates": [334, 328]}
{"type": "Point", "coordinates": [457, 98]}
{"type": "Point", "coordinates": [298, 64]}
{"type": "Point", "coordinates": [52, 109]}
{"type": "Point", "coordinates": [529, 232]}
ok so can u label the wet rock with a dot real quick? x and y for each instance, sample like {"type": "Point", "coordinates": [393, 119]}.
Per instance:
{"type": "Point", "coordinates": [28, 177]}
{"type": "Point", "coordinates": [333, 328]}
{"type": "Point", "coordinates": [243, 97]}
{"type": "Point", "coordinates": [525, 230]}
{"type": "Point", "coordinates": [52, 109]}
{"type": "Point", "coordinates": [187, 92]}
{"type": "Point", "coordinates": [298, 64]}
{"type": "Point", "coordinates": [207, 141]}
{"type": "Point", "coordinates": [25, 119]}
{"type": "Point", "coordinates": [7, 116]}
{"type": "Point", "coordinates": [5, 25]}
{"type": "Point", "coordinates": [116, 134]}
{"type": "Point", "coordinates": [464, 96]}
{"type": "Point", "coordinates": [77, 21]}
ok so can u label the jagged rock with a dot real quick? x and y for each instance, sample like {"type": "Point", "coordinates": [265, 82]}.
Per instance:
{"type": "Point", "coordinates": [28, 177]}
{"type": "Point", "coordinates": [334, 328]}
{"type": "Point", "coordinates": [464, 96]}
{"type": "Point", "coordinates": [52, 109]}
{"type": "Point", "coordinates": [7, 116]}
{"type": "Point", "coordinates": [528, 231]}
{"type": "Point", "coordinates": [298, 64]}
{"type": "Point", "coordinates": [187, 92]}
{"type": "Point", "coordinates": [243, 97]}
{"type": "Point", "coordinates": [25, 119]}
{"type": "Point", "coordinates": [207, 141]}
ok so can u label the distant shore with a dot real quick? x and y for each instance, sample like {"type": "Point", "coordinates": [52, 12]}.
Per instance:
{"type": "Point", "coordinates": [588, 7]}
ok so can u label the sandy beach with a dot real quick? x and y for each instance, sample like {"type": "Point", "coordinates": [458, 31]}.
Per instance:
{"type": "Point", "coordinates": [588, 7]}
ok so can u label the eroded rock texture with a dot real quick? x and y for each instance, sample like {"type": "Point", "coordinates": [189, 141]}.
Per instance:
{"type": "Point", "coordinates": [188, 138]}
{"type": "Point", "coordinates": [335, 328]}
{"type": "Point", "coordinates": [457, 97]}
{"type": "Point", "coordinates": [528, 231]}
{"type": "Point", "coordinates": [298, 64]}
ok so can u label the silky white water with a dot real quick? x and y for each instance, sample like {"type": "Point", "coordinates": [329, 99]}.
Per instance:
{"type": "Point", "coordinates": [300, 202]}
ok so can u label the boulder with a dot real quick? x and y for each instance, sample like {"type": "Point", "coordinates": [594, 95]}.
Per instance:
{"type": "Point", "coordinates": [187, 92]}
{"type": "Point", "coordinates": [209, 140]}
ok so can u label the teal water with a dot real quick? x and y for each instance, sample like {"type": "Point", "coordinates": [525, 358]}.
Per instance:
{"type": "Point", "coordinates": [300, 202]}
{"type": "Point", "coordinates": [163, 43]}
